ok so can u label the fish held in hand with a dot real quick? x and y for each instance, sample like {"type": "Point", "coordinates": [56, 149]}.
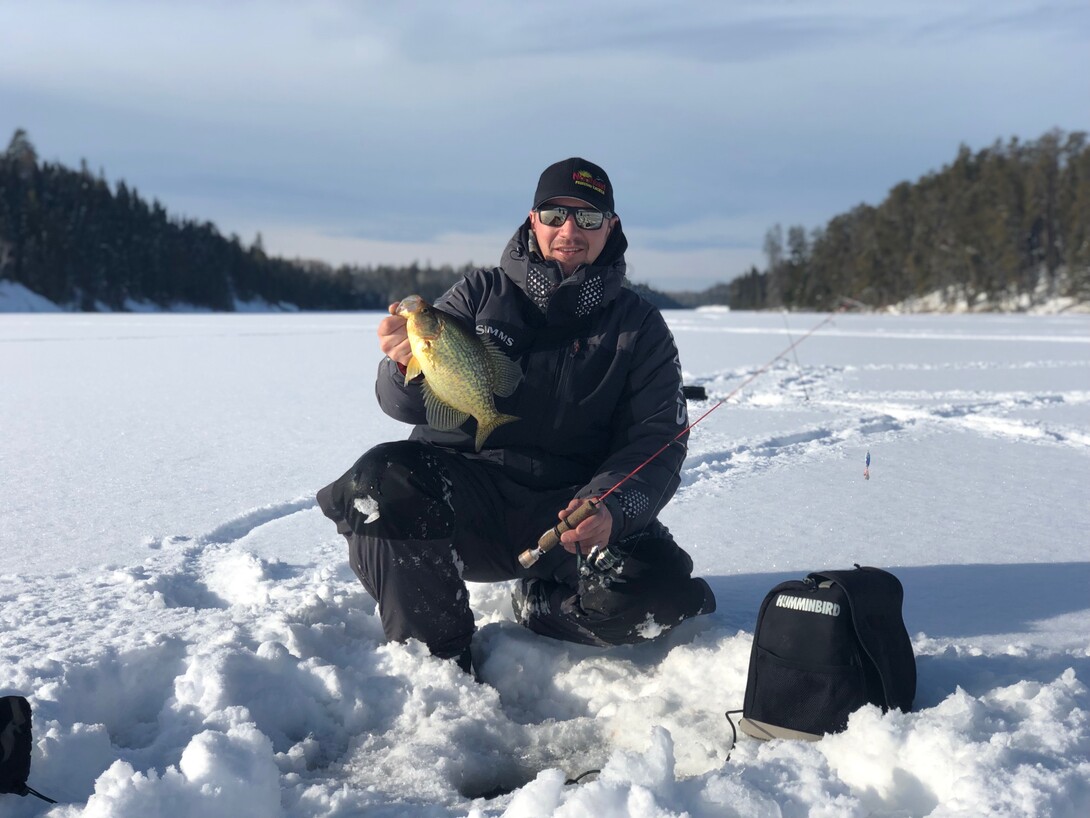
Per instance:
{"type": "Point", "coordinates": [462, 372]}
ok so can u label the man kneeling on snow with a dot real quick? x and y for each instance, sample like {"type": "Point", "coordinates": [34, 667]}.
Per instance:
{"type": "Point", "coordinates": [600, 394]}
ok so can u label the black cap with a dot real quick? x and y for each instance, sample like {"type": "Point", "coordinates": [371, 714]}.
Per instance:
{"type": "Point", "coordinates": [576, 178]}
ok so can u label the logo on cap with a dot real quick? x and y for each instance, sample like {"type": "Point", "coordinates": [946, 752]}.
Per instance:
{"type": "Point", "coordinates": [586, 179]}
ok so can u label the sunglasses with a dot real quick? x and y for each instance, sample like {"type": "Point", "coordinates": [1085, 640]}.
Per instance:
{"type": "Point", "coordinates": [585, 218]}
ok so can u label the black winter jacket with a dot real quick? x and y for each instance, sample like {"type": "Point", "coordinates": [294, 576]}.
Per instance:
{"type": "Point", "coordinates": [601, 387]}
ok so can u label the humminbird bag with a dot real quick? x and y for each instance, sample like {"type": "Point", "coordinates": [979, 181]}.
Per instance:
{"type": "Point", "coordinates": [823, 647]}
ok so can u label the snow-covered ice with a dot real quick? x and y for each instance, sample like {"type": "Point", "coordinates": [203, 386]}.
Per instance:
{"type": "Point", "coordinates": [186, 627]}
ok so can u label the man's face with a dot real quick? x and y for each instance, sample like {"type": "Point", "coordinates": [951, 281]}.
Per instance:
{"type": "Point", "coordinates": [569, 244]}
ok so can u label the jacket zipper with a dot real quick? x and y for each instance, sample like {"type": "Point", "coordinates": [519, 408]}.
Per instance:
{"type": "Point", "coordinates": [566, 363]}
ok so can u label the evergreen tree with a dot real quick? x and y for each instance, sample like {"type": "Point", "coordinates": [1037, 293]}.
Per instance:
{"type": "Point", "coordinates": [67, 236]}
{"type": "Point", "coordinates": [773, 247]}
{"type": "Point", "coordinates": [990, 225]}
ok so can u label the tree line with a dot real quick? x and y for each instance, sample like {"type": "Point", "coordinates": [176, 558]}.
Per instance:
{"type": "Point", "coordinates": [1010, 220]}
{"type": "Point", "coordinates": [69, 237]}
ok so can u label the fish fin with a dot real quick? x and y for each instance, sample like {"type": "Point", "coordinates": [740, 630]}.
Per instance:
{"type": "Point", "coordinates": [506, 373]}
{"type": "Point", "coordinates": [441, 416]}
{"type": "Point", "coordinates": [485, 429]}
{"type": "Point", "coordinates": [412, 370]}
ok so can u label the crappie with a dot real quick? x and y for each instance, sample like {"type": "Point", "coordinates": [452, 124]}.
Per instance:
{"type": "Point", "coordinates": [461, 371]}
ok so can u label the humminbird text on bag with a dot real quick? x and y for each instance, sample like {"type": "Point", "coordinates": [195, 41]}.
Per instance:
{"type": "Point", "coordinates": [798, 603]}
{"type": "Point", "coordinates": [808, 674]}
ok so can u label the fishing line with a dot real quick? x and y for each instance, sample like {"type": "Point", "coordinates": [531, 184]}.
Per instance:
{"type": "Point", "coordinates": [552, 537]}
{"type": "Point", "coordinates": [730, 395]}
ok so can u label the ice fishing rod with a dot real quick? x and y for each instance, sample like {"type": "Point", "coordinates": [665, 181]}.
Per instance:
{"type": "Point", "coordinates": [552, 537]}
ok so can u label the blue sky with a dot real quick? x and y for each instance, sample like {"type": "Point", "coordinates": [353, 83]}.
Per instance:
{"type": "Point", "coordinates": [382, 132]}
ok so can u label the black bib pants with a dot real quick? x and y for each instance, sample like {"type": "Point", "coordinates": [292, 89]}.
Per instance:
{"type": "Point", "coordinates": [420, 520]}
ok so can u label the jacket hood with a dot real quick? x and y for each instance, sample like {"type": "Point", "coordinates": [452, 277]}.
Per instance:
{"type": "Point", "coordinates": [562, 299]}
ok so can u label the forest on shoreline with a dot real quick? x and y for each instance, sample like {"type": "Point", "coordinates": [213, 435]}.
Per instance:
{"type": "Point", "coordinates": [1006, 222]}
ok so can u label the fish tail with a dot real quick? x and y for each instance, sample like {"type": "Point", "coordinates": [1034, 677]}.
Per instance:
{"type": "Point", "coordinates": [485, 429]}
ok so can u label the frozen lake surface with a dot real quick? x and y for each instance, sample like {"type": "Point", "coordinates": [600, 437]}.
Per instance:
{"type": "Point", "coordinates": [184, 621]}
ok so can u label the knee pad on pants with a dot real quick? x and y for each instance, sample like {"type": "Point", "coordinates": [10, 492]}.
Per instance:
{"type": "Point", "coordinates": [398, 491]}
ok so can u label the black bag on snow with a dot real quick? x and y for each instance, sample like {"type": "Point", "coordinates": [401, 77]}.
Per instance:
{"type": "Point", "coordinates": [823, 647]}
{"type": "Point", "coordinates": [15, 745]}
